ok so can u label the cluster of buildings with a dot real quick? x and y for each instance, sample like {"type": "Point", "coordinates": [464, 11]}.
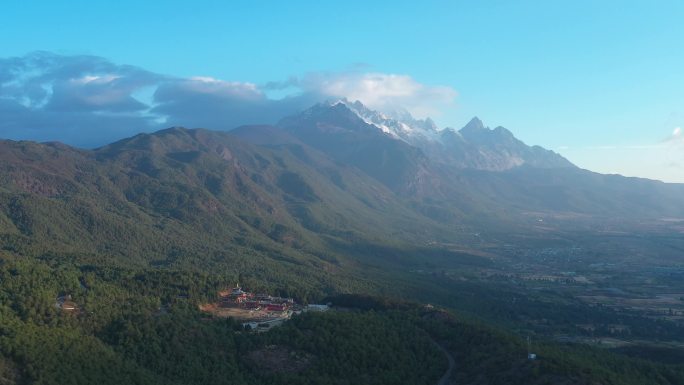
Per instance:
{"type": "Point", "coordinates": [239, 298]}
{"type": "Point", "coordinates": [262, 311]}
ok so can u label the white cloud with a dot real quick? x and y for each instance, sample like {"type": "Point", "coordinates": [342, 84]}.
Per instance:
{"type": "Point", "coordinates": [96, 79]}
{"type": "Point", "coordinates": [74, 98]}
{"type": "Point", "coordinates": [385, 92]}
{"type": "Point", "coordinates": [210, 85]}
{"type": "Point", "coordinates": [215, 103]}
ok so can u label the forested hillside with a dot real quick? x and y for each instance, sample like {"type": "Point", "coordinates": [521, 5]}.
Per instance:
{"type": "Point", "coordinates": [136, 235]}
{"type": "Point", "coordinates": [144, 328]}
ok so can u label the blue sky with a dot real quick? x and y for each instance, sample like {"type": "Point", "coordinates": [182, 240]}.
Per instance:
{"type": "Point", "coordinates": [598, 81]}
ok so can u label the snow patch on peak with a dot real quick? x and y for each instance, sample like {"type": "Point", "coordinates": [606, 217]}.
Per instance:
{"type": "Point", "coordinates": [399, 124]}
{"type": "Point", "coordinates": [337, 102]}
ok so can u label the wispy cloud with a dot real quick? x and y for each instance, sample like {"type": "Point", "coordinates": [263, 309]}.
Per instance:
{"type": "Point", "coordinates": [88, 100]}
{"type": "Point", "coordinates": [217, 104]}
{"type": "Point", "coordinates": [662, 159]}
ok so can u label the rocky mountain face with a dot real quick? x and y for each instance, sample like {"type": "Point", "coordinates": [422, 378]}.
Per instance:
{"type": "Point", "coordinates": [400, 124]}
{"type": "Point", "coordinates": [478, 147]}
{"type": "Point", "coordinates": [343, 135]}
{"type": "Point", "coordinates": [412, 157]}
{"type": "Point", "coordinates": [472, 147]}
{"type": "Point", "coordinates": [473, 172]}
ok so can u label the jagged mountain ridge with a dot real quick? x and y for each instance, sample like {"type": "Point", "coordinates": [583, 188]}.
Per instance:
{"type": "Point", "coordinates": [474, 146]}
{"type": "Point", "coordinates": [476, 171]}
{"type": "Point", "coordinates": [416, 166]}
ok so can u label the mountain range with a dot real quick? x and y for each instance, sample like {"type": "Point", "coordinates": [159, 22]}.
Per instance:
{"type": "Point", "coordinates": [336, 174]}
{"type": "Point", "coordinates": [475, 170]}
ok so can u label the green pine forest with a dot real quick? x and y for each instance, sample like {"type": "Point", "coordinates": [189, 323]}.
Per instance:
{"type": "Point", "coordinates": [140, 232]}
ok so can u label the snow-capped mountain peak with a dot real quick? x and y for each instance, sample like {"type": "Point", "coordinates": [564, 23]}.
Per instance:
{"type": "Point", "coordinates": [474, 146]}
{"type": "Point", "coordinates": [398, 123]}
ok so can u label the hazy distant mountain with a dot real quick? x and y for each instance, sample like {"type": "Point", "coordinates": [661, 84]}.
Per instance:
{"type": "Point", "coordinates": [477, 146]}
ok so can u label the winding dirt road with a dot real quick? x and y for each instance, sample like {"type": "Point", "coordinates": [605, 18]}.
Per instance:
{"type": "Point", "coordinates": [447, 375]}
